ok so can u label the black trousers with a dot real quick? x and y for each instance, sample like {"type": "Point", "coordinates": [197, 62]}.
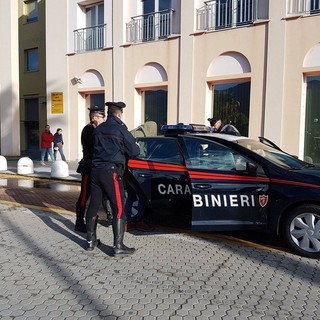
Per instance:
{"type": "Point", "coordinates": [83, 197]}
{"type": "Point", "coordinates": [108, 183]}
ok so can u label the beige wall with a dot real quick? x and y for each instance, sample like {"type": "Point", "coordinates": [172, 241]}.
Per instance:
{"type": "Point", "coordinates": [298, 42]}
{"type": "Point", "coordinates": [208, 47]}
{"type": "Point", "coordinates": [274, 48]}
{"type": "Point", "coordinates": [9, 79]}
{"type": "Point", "coordinates": [79, 65]}
{"type": "Point", "coordinates": [165, 53]}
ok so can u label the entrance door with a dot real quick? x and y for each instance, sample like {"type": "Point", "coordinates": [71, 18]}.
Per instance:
{"type": "Point", "coordinates": [232, 104]}
{"type": "Point", "coordinates": [30, 129]}
{"type": "Point", "coordinates": [155, 108]}
{"type": "Point", "coordinates": [97, 99]}
{"type": "Point", "coordinates": [312, 122]}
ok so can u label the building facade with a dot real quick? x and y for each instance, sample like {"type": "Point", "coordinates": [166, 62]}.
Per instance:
{"type": "Point", "coordinates": [255, 63]}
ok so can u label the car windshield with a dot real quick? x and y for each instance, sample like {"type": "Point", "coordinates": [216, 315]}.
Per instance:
{"type": "Point", "coordinates": [275, 156]}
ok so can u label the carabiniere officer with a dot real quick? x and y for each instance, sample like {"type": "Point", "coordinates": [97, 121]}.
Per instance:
{"type": "Point", "coordinates": [113, 144]}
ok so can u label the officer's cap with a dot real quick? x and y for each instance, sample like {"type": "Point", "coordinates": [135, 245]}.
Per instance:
{"type": "Point", "coordinates": [119, 104]}
{"type": "Point", "coordinates": [213, 120]}
{"type": "Point", "coordinates": [97, 109]}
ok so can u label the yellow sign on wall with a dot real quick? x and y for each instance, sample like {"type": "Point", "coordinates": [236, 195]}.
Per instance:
{"type": "Point", "coordinates": [57, 102]}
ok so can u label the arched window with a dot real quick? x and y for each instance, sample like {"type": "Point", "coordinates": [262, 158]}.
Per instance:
{"type": "Point", "coordinates": [151, 82]}
{"type": "Point", "coordinates": [231, 98]}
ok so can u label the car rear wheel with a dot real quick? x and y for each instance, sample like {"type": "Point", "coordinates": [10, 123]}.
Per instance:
{"type": "Point", "coordinates": [301, 230]}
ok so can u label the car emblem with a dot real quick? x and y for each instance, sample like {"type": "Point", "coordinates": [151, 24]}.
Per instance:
{"type": "Point", "coordinates": [263, 200]}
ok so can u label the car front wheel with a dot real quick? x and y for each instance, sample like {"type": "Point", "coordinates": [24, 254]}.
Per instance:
{"type": "Point", "coordinates": [301, 230]}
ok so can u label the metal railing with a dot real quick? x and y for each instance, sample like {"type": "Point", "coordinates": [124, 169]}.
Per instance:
{"type": "Point", "coordinates": [220, 14]}
{"type": "Point", "coordinates": [150, 27]}
{"type": "Point", "coordinates": [303, 7]}
{"type": "Point", "coordinates": [89, 39]}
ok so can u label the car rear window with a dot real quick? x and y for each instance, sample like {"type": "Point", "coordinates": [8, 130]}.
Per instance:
{"type": "Point", "coordinates": [160, 150]}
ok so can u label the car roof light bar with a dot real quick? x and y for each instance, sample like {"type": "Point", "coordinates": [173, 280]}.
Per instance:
{"type": "Point", "coordinates": [180, 128]}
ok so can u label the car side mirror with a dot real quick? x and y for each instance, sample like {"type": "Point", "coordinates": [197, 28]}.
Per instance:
{"type": "Point", "coordinates": [251, 168]}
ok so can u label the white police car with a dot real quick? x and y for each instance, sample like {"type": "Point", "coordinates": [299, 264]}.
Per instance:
{"type": "Point", "coordinates": [229, 182]}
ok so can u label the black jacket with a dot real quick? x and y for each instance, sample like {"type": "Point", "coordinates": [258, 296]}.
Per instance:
{"type": "Point", "coordinates": [85, 164]}
{"type": "Point", "coordinates": [86, 141]}
{"type": "Point", "coordinates": [113, 144]}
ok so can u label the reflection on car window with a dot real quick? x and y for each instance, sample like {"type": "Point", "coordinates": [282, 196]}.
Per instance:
{"type": "Point", "coordinates": [277, 157]}
{"type": "Point", "coordinates": [160, 150]}
{"type": "Point", "coordinates": [204, 154]}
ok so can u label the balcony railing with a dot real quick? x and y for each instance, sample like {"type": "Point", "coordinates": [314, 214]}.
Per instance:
{"type": "Point", "coordinates": [221, 14]}
{"type": "Point", "coordinates": [305, 7]}
{"type": "Point", "coordinates": [150, 27]}
{"type": "Point", "coordinates": [89, 39]}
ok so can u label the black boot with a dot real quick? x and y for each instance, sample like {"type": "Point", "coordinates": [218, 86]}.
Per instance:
{"type": "Point", "coordinates": [108, 210]}
{"type": "Point", "coordinates": [80, 226]}
{"type": "Point", "coordinates": [92, 233]}
{"type": "Point", "coordinates": [119, 248]}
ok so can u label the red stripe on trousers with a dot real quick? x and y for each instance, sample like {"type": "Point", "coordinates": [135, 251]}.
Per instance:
{"type": "Point", "coordinates": [118, 196]}
{"type": "Point", "coordinates": [84, 194]}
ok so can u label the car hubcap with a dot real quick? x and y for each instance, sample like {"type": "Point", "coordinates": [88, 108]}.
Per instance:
{"type": "Point", "coordinates": [305, 232]}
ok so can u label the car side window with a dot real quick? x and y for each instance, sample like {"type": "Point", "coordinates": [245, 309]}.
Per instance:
{"type": "Point", "coordinates": [205, 154]}
{"type": "Point", "coordinates": [160, 150]}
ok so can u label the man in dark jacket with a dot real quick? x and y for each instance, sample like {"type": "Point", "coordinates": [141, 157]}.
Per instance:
{"type": "Point", "coordinates": [217, 126]}
{"type": "Point", "coordinates": [96, 115]}
{"type": "Point", "coordinates": [113, 145]}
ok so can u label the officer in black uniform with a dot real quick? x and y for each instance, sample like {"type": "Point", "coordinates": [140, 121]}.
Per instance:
{"type": "Point", "coordinates": [113, 145]}
{"type": "Point", "coordinates": [217, 126]}
{"type": "Point", "coordinates": [84, 168]}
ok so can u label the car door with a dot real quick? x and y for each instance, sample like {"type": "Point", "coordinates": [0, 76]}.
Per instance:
{"type": "Point", "coordinates": [159, 172]}
{"type": "Point", "coordinates": [229, 190]}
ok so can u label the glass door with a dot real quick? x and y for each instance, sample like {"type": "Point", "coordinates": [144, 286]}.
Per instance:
{"type": "Point", "coordinates": [312, 120]}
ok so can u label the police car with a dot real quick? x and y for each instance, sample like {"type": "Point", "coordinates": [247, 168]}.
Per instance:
{"type": "Point", "coordinates": [226, 182]}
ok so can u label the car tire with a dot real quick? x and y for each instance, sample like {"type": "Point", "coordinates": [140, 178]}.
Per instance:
{"type": "Point", "coordinates": [301, 230]}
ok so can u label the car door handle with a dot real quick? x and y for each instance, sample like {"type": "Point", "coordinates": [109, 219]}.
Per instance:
{"type": "Point", "coordinates": [202, 186]}
{"type": "Point", "coordinates": [145, 175]}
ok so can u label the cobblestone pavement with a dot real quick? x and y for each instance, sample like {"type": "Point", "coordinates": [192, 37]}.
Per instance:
{"type": "Point", "coordinates": [45, 273]}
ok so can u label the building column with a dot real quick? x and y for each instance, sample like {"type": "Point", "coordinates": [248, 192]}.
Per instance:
{"type": "Point", "coordinates": [9, 80]}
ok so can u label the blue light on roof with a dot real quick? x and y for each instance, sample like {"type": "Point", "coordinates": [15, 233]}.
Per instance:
{"type": "Point", "coordinates": [179, 127]}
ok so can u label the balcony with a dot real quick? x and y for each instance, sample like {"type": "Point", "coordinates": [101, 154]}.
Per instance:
{"type": "Point", "coordinates": [89, 39]}
{"type": "Point", "coordinates": [150, 27]}
{"type": "Point", "coordinates": [304, 7]}
{"type": "Point", "coordinates": [222, 14]}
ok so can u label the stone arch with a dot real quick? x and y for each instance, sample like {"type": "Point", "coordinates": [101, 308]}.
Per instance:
{"type": "Point", "coordinates": [312, 58]}
{"type": "Point", "coordinates": [227, 64]}
{"type": "Point", "coordinates": [151, 72]}
{"type": "Point", "coordinates": [91, 79]}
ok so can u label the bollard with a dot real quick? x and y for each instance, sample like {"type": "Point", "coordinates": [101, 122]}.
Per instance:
{"type": "Point", "coordinates": [59, 169]}
{"type": "Point", "coordinates": [25, 166]}
{"type": "Point", "coordinates": [3, 163]}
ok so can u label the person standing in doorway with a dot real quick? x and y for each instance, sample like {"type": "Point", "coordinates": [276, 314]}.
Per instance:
{"type": "Point", "coordinates": [46, 144]}
{"type": "Point", "coordinates": [58, 144]}
{"type": "Point", "coordinates": [113, 145]}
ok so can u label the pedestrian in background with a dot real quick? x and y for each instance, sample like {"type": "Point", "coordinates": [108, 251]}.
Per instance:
{"type": "Point", "coordinates": [113, 145]}
{"type": "Point", "coordinates": [96, 115]}
{"type": "Point", "coordinates": [58, 144]}
{"type": "Point", "coordinates": [46, 144]}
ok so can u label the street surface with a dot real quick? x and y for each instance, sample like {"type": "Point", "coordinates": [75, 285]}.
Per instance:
{"type": "Point", "coordinates": [45, 272]}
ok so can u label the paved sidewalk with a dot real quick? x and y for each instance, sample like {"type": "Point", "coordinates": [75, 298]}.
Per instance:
{"type": "Point", "coordinates": [45, 272]}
